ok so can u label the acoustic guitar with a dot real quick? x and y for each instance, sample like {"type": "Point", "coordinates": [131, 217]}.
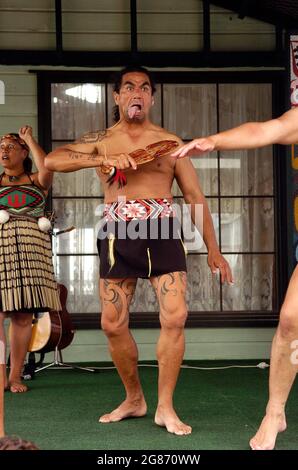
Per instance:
{"type": "Point", "coordinates": [52, 329]}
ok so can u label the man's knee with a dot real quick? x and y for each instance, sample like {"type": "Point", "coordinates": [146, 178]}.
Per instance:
{"type": "Point", "coordinates": [174, 319]}
{"type": "Point", "coordinates": [111, 324]}
{"type": "Point", "coordinates": [288, 322]}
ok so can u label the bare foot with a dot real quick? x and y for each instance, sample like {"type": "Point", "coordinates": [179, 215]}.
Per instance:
{"type": "Point", "coordinates": [168, 419]}
{"type": "Point", "coordinates": [17, 387]}
{"type": "Point", "coordinates": [266, 435]}
{"type": "Point", "coordinates": [127, 409]}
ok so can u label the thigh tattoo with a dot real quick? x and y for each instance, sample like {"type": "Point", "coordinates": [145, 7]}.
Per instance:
{"type": "Point", "coordinates": [119, 294]}
{"type": "Point", "coordinates": [171, 283]}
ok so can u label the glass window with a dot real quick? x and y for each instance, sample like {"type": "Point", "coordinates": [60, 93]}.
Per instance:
{"type": "Point", "coordinates": [238, 186]}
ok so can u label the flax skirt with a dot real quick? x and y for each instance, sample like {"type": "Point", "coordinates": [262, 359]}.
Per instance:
{"type": "Point", "coordinates": [27, 282]}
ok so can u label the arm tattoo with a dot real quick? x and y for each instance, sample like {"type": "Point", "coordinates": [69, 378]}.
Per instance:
{"type": "Point", "coordinates": [92, 137]}
{"type": "Point", "coordinates": [87, 156]}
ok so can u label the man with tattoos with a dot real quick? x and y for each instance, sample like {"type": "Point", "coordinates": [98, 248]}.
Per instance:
{"type": "Point", "coordinates": [283, 363]}
{"type": "Point", "coordinates": [145, 198]}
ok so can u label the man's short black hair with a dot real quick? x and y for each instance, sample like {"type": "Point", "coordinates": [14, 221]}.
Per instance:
{"type": "Point", "coordinates": [129, 69]}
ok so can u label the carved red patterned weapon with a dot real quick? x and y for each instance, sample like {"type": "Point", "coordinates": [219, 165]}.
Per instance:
{"type": "Point", "coordinates": [149, 153]}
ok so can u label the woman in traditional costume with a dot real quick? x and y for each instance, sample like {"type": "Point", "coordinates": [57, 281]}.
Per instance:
{"type": "Point", "coordinates": [27, 283]}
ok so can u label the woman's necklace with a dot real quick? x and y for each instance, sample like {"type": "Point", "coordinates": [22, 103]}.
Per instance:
{"type": "Point", "coordinates": [13, 178]}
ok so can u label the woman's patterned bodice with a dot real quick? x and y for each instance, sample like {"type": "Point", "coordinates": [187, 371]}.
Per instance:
{"type": "Point", "coordinates": [23, 199]}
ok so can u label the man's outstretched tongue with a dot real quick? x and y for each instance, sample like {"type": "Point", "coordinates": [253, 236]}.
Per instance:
{"type": "Point", "coordinates": [133, 111]}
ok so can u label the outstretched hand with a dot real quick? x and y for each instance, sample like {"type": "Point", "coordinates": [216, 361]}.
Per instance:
{"type": "Point", "coordinates": [217, 262]}
{"type": "Point", "coordinates": [195, 147]}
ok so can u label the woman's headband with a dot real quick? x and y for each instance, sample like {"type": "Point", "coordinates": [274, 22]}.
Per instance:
{"type": "Point", "coordinates": [17, 138]}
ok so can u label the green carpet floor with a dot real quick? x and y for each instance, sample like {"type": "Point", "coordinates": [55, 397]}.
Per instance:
{"type": "Point", "coordinates": [224, 407]}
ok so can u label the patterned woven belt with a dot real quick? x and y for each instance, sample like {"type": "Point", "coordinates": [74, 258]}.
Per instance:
{"type": "Point", "coordinates": [138, 209]}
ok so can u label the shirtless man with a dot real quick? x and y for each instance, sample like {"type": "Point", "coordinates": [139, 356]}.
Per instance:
{"type": "Point", "coordinates": [123, 261]}
{"type": "Point", "coordinates": [283, 130]}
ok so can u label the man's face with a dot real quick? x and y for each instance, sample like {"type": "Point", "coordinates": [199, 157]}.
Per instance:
{"type": "Point", "coordinates": [135, 97]}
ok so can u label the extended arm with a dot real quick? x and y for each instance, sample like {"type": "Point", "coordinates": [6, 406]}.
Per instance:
{"type": "Point", "coordinates": [86, 153]}
{"type": "Point", "coordinates": [73, 157]}
{"type": "Point", "coordinates": [283, 130]}
{"type": "Point", "coordinates": [44, 176]}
